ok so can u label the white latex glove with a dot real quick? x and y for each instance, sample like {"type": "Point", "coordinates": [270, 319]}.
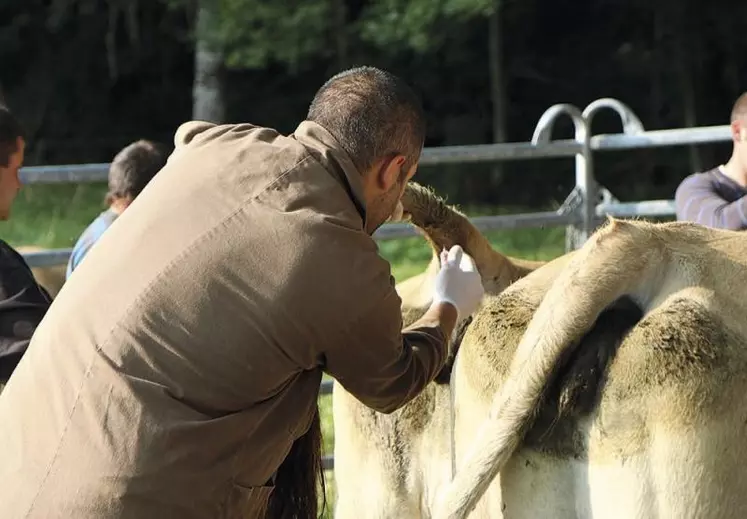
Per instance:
{"type": "Point", "coordinates": [458, 282]}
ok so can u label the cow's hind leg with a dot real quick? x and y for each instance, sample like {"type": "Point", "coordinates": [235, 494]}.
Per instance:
{"type": "Point", "coordinates": [369, 496]}
{"type": "Point", "coordinates": [700, 472]}
{"type": "Point", "coordinates": [367, 486]}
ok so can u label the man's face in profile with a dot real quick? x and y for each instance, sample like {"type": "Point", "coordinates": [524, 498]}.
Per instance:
{"type": "Point", "coordinates": [10, 183]}
{"type": "Point", "coordinates": [386, 204]}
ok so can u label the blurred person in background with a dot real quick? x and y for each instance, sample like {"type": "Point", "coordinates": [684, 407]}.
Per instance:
{"type": "Point", "coordinates": [23, 302]}
{"type": "Point", "coordinates": [716, 198]}
{"type": "Point", "coordinates": [132, 168]}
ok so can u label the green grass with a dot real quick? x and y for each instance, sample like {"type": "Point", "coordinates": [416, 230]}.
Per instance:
{"type": "Point", "coordinates": [55, 215]}
{"type": "Point", "coordinates": [52, 215]}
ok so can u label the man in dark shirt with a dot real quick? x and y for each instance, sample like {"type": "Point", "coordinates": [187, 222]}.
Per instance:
{"type": "Point", "coordinates": [23, 302]}
{"type": "Point", "coordinates": [716, 198]}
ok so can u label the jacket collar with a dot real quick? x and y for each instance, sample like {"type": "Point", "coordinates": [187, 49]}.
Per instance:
{"type": "Point", "coordinates": [335, 159]}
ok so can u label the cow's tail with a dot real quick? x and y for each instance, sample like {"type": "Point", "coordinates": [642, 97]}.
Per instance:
{"type": "Point", "coordinates": [624, 258]}
{"type": "Point", "coordinates": [444, 226]}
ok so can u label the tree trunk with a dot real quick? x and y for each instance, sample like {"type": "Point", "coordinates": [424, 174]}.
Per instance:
{"type": "Point", "coordinates": [497, 85]}
{"type": "Point", "coordinates": [686, 49]}
{"type": "Point", "coordinates": [207, 89]}
{"type": "Point", "coordinates": [341, 34]}
{"type": "Point", "coordinates": [658, 57]}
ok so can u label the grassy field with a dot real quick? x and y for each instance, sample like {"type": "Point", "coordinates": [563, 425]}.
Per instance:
{"type": "Point", "coordinates": [55, 215]}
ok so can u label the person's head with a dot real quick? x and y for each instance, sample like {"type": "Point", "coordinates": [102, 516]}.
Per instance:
{"type": "Point", "coordinates": [12, 145]}
{"type": "Point", "coordinates": [379, 121]}
{"type": "Point", "coordinates": [739, 130]}
{"type": "Point", "coordinates": [131, 169]}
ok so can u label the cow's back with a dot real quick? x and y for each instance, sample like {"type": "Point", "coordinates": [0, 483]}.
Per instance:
{"type": "Point", "coordinates": [645, 419]}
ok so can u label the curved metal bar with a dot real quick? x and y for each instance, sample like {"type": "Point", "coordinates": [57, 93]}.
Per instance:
{"type": "Point", "coordinates": [543, 130]}
{"type": "Point", "coordinates": [631, 124]}
{"type": "Point", "coordinates": [586, 189]}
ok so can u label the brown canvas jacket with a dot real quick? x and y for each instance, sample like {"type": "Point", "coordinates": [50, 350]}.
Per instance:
{"type": "Point", "coordinates": [183, 356]}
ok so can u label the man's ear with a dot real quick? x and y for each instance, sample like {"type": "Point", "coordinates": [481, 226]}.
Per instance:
{"type": "Point", "coordinates": [738, 131]}
{"type": "Point", "coordinates": [389, 172]}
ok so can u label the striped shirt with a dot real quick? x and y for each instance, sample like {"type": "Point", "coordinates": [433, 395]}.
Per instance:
{"type": "Point", "coordinates": [712, 199]}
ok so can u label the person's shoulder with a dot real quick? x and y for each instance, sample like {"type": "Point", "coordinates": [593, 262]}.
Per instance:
{"type": "Point", "coordinates": [10, 257]}
{"type": "Point", "coordinates": [706, 176]}
{"type": "Point", "coordinates": [698, 180]}
{"type": "Point", "coordinates": [242, 146]}
{"type": "Point", "coordinates": [15, 272]}
{"type": "Point", "coordinates": [103, 221]}
{"type": "Point", "coordinates": [197, 133]}
{"type": "Point", "coordinates": [97, 227]}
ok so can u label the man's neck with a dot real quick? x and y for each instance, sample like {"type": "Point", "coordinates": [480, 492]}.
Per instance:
{"type": "Point", "coordinates": [735, 171]}
{"type": "Point", "coordinates": [119, 205]}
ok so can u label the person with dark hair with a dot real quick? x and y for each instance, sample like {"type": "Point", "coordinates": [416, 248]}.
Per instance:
{"type": "Point", "coordinates": [717, 197]}
{"type": "Point", "coordinates": [197, 330]}
{"type": "Point", "coordinates": [23, 302]}
{"type": "Point", "coordinates": [132, 168]}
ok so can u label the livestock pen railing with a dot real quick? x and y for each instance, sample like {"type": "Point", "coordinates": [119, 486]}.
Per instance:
{"type": "Point", "coordinates": [581, 212]}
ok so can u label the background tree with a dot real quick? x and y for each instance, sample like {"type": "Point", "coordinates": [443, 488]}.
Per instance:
{"type": "Point", "coordinates": [88, 76]}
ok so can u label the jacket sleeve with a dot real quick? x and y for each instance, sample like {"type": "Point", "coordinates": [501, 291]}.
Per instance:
{"type": "Point", "coordinates": [23, 304]}
{"type": "Point", "coordinates": [383, 365]}
{"type": "Point", "coordinates": [697, 201]}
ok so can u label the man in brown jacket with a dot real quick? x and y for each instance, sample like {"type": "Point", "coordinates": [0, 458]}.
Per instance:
{"type": "Point", "coordinates": [172, 380]}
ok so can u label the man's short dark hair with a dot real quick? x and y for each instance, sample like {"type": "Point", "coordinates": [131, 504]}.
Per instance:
{"type": "Point", "coordinates": [739, 110]}
{"type": "Point", "coordinates": [10, 130]}
{"type": "Point", "coordinates": [373, 114]}
{"type": "Point", "coordinates": [133, 167]}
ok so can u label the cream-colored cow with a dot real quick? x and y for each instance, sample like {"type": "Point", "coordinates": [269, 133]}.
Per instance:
{"type": "Point", "coordinates": [626, 396]}
{"type": "Point", "coordinates": [394, 465]}
{"type": "Point", "coordinates": [591, 413]}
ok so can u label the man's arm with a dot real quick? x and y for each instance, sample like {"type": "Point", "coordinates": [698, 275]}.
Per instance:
{"type": "Point", "coordinates": [385, 366]}
{"type": "Point", "coordinates": [442, 315]}
{"type": "Point", "coordinates": [697, 201]}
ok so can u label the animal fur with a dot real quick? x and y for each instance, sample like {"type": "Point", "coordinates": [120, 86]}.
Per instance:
{"type": "Point", "coordinates": [670, 390]}
{"type": "Point", "coordinates": [384, 443]}
{"type": "Point", "coordinates": [608, 382]}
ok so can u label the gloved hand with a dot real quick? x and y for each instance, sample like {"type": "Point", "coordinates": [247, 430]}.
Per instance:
{"type": "Point", "coordinates": [458, 282]}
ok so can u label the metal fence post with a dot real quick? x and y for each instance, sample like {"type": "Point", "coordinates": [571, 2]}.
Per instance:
{"type": "Point", "coordinates": [584, 195]}
{"type": "Point", "coordinates": [631, 125]}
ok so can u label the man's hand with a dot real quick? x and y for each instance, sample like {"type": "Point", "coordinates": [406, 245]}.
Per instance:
{"type": "Point", "coordinates": [458, 282]}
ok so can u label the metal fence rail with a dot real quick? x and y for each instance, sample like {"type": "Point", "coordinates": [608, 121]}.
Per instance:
{"type": "Point", "coordinates": [582, 211]}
